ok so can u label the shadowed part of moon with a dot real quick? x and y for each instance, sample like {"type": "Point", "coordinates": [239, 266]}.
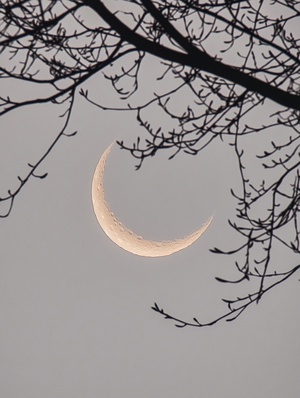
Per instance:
{"type": "Point", "coordinates": [123, 236]}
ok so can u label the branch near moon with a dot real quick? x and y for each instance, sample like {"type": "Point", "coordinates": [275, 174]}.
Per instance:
{"type": "Point", "coordinates": [124, 237]}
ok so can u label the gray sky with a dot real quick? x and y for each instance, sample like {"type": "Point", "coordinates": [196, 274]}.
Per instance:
{"type": "Point", "coordinates": [75, 308]}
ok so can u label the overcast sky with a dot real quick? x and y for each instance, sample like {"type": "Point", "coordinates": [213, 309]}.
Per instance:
{"type": "Point", "coordinates": [75, 308]}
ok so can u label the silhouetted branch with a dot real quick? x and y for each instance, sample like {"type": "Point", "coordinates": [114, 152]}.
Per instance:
{"type": "Point", "coordinates": [10, 197]}
{"type": "Point", "coordinates": [235, 307]}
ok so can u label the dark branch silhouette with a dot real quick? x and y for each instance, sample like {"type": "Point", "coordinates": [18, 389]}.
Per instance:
{"type": "Point", "coordinates": [225, 61]}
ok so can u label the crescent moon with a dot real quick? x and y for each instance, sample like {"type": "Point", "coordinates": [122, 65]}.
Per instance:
{"type": "Point", "coordinates": [123, 236]}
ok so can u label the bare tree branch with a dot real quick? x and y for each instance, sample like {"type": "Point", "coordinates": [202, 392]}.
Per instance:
{"type": "Point", "coordinates": [220, 64]}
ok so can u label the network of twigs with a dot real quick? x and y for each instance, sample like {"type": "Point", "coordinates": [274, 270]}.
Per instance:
{"type": "Point", "coordinates": [226, 62]}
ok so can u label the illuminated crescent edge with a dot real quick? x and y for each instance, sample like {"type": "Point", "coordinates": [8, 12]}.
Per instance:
{"type": "Point", "coordinates": [123, 236]}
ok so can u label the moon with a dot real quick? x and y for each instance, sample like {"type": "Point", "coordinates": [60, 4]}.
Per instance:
{"type": "Point", "coordinates": [123, 236]}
